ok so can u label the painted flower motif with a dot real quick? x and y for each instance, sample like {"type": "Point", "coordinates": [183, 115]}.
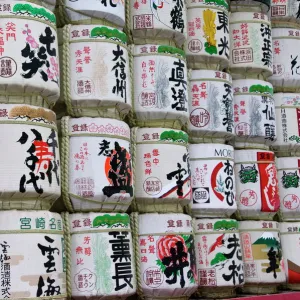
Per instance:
{"type": "Point", "coordinates": [50, 74]}
{"type": "Point", "coordinates": [93, 128]}
{"type": "Point", "coordinates": [109, 128]}
{"type": "Point", "coordinates": [101, 129]}
{"type": "Point", "coordinates": [117, 130]}
{"type": "Point", "coordinates": [165, 243]}
{"type": "Point", "coordinates": [54, 64]}
{"type": "Point", "coordinates": [30, 40]}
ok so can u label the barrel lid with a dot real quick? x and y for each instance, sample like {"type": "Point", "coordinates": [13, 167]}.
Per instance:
{"type": "Point", "coordinates": [149, 49]}
{"type": "Point", "coordinates": [290, 228]}
{"type": "Point", "coordinates": [161, 135]}
{"type": "Point", "coordinates": [213, 151]}
{"type": "Point", "coordinates": [285, 32]}
{"type": "Point", "coordinates": [287, 99]}
{"type": "Point", "coordinates": [248, 17]}
{"type": "Point", "coordinates": [246, 86]}
{"type": "Point", "coordinates": [105, 126]}
{"type": "Point", "coordinates": [254, 225]}
{"type": "Point", "coordinates": [209, 74]}
{"type": "Point", "coordinates": [151, 224]}
{"type": "Point", "coordinates": [215, 225]}
{"type": "Point", "coordinates": [99, 32]}
{"type": "Point", "coordinates": [253, 156]}
{"type": "Point", "coordinates": [81, 222]}
{"type": "Point", "coordinates": [292, 163]}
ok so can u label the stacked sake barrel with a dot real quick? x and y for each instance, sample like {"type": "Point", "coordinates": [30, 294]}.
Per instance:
{"type": "Point", "coordinates": [97, 181]}
{"type": "Point", "coordinates": [163, 234]}
{"type": "Point", "coordinates": [285, 80]}
{"type": "Point", "coordinates": [33, 258]}
{"type": "Point", "coordinates": [257, 194]}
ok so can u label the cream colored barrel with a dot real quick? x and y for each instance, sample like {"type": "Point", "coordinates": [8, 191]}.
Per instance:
{"type": "Point", "coordinates": [160, 86]}
{"type": "Point", "coordinates": [218, 252]}
{"type": "Point", "coordinates": [161, 184]}
{"type": "Point", "coordinates": [29, 64]}
{"type": "Point", "coordinates": [207, 43]}
{"type": "Point", "coordinates": [256, 184]}
{"type": "Point", "coordinates": [159, 239]}
{"type": "Point", "coordinates": [212, 179]}
{"type": "Point", "coordinates": [285, 14]}
{"type": "Point", "coordinates": [102, 257]}
{"type": "Point", "coordinates": [97, 80]}
{"type": "Point", "coordinates": [290, 235]}
{"type": "Point", "coordinates": [254, 113]}
{"type": "Point", "coordinates": [106, 12]}
{"type": "Point", "coordinates": [257, 6]}
{"type": "Point", "coordinates": [251, 45]}
{"type": "Point", "coordinates": [286, 74]}
{"type": "Point", "coordinates": [33, 255]}
{"type": "Point", "coordinates": [97, 165]}
{"type": "Point", "coordinates": [210, 105]}
{"type": "Point", "coordinates": [288, 182]}
{"type": "Point", "coordinates": [262, 255]}
{"type": "Point", "coordinates": [287, 107]}
{"type": "Point", "coordinates": [30, 162]}
{"type": "Point", "coordinates": [157, 20]}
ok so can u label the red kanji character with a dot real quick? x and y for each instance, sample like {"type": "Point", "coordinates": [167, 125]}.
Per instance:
{"type": "Point", "coordinates": [86, 240]}
{"type": "Point", "coordinates": [143, 242]}
{"type": "Point", "coordinates": [79, 250]}
{"type": "Point", "coordinates": [79, 261]}
{"type": "Point", "coordinates": [88, 251]}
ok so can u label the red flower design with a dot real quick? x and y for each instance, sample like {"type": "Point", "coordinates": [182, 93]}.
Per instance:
{"type": "Point", "coordinates": [165, 243]}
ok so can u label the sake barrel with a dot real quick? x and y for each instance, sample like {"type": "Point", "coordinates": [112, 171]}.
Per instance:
{"type": "Point", "coordinates": [211, 104]}
{"type": "Point", "coordinates": [290, 235]}
{"type": "Point", "coordinates": [166, 256]}
{"type": "Point", "coordinates": [97, 80]}
{"type": "Point", "coordinates": [29, 65]}
{"type": "Point", "coordinates": [256, 184]}
{"type": "Point", "coordinates": [251, 45]}
{"type": "Point", "coordinates": [157, 20]}
{"type": "Point", "coordinates": [97, 164]}
{"type": "Point", "coordinates": [262, 256]}
{"type": "Point", "coordinates": [254, 112]}
{"type": "Point", "coordinates": [286, 73]}
{"type": "Point", "coordinates": [106, 12]}
{"type": "Point", "coordinates": [208, 34]}
{"type": "Point", "coordinates": [285, 13]}
{"type": "Point", "coordinates": [160, 86]}
{"type": "Point", "coordinates": [250, 5]}
{"type": "Point", "coordinates": [29, 157]}
{"type": "Point", "coordinates": [288, 182]}
{"type": "Point", "coordinates": [102, 259]}
{"type": "Point", "coordinates": [212, 179]}
{"type": "Point", "coordinates": [218, 252]}
{"type": "Point", "coordinates": [162, 183]}
{"type": "Point", "coordinates": [33, 255]}
{"type": "Point", "coordinates": [287, 108]}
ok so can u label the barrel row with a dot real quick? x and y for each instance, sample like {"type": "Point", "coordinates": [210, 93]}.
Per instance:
{"type": "Point", "coordinates": [114, 255]}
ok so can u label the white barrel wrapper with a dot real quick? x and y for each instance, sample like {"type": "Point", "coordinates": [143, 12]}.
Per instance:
{"type": "Point", "coordinates": [262, 255]}
{"type": "Point", "coordinates": [103, 143]}
{"type": "Point", "coordinates": [211, 104]}
{"type": "Point", "coordinates": [161, 237]}
{"type": "Point", "coordinates": [285, 11]}
{"type": "Point", "coordinates": [286, 65]}
{"type": "Point", "coordinates": [208, 33]}
{"type": "Point", "coordinates": [99, 76]}
{"type": "Point", "coordinates": [160, 84]}
{"type": "Point", "coordinates": [250, 5]}
{"type": "Point", "coordinates": [289, 183]}
{"type": "Point", "coordinates": [287, 108]}
{"type": "Point", "coordinates": [29, 64]}
{"type": "Point", "coordinates": [158, 19]}
{"type": "Point", "coordinates": [254, 111]}
{"type": "Point", "coordinates": [159, 180]}
{"type": "Point", "coordinates": [256, 184]}
{"type": "Point", "coordinates": [218, 250]}
{"type": "Point", "coordinates": [290, 235]}
{"type": "Point", "coordinates": [102, 260]}
{"type": "Point", "coordinates": [33, 255]}
{"type": "Point", "coordinates": [251, 44]}
{"type": "Point", "coordinates": [29, 157]}
{"type": "Point", "coordinates": [212, 179]}
{"type": "Point", "coordinates": [110, 10]}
